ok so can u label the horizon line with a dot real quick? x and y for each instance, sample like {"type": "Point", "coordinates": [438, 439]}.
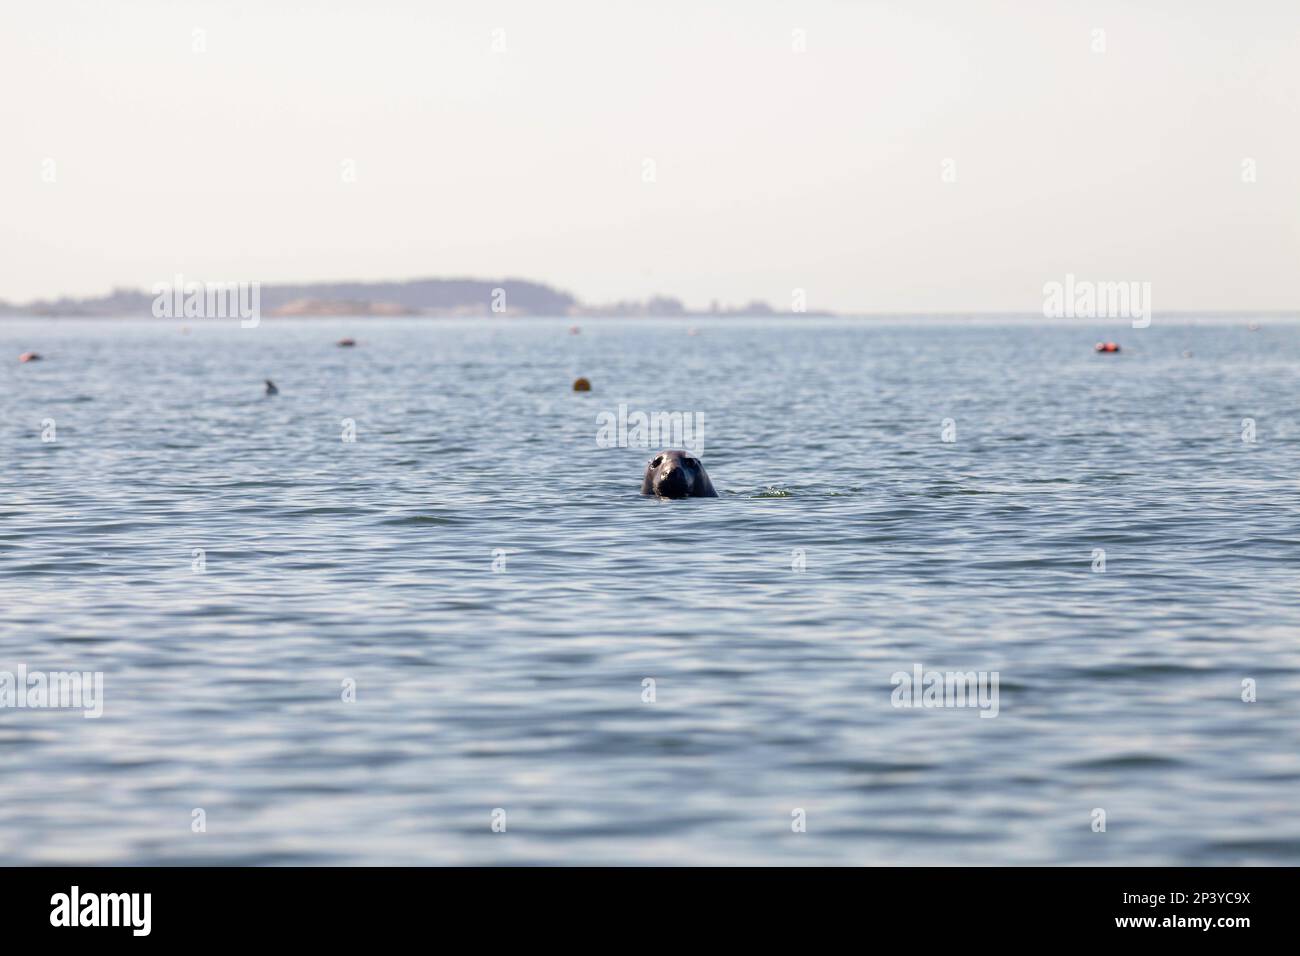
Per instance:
{"type": "Point", "coordinates": [725, 311]}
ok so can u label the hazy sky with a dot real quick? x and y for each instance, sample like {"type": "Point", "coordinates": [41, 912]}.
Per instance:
{"type": "Point", "coordinates": [773, 169]}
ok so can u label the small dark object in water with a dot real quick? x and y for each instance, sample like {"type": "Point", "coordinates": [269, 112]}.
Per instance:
{"type": "Point", "coordinates": [270, 388]}
{"type": "Point", "coordinates": [29, 357]}
{"type": "Point", "coordinates": [1107, 347]}
{"type": "Point", "coordinates": [582, 385]}
{"type": "Point", "coordinates": [677, 474]}
{"type": "Point", "coordinates": [347, 343]}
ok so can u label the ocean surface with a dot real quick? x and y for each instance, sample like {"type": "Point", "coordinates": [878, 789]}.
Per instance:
{"type": "Point", "coordinates": [465, 638]}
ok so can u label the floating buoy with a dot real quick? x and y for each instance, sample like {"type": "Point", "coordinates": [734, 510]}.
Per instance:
{"type": "Point", "coordinates": [1106, 347]}
{"type": "Point", "coordinates": [581, 385]}
{"type": "Point", "coordinates": [692, 331]}
{"type": "Point", "coordinates": [1253, 327]}
{"type": "Point", "coordinates": [574, 330]}
{"type": "Point", "coordinates": [347, 343]}
{"type": "Point", "coordinates": [29, 357]}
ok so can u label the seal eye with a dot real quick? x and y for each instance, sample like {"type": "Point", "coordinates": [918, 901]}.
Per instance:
{"type": "Point", "coordinates": [656, 463]}
{"type": "Point", "coordinates": [691, 463]}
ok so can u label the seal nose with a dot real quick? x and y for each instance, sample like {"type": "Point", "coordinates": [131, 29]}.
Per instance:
{"type": "Point", "coordinates": [672, 482]}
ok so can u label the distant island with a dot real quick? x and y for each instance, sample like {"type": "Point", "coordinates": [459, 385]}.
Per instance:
{"type": "Point", "coordinates": [418, 297]}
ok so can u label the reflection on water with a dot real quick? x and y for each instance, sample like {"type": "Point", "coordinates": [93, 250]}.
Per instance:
{"type": "Point", "coordinates": [481, 571]}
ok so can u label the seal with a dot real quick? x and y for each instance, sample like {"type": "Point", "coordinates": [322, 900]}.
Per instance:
{"type": "Point", "coordinates": [677, 474]}
{"type": "Point", "coordinates": [270, 388]}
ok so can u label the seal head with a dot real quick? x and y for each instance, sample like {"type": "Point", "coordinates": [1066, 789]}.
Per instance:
{"type": "Point", "coordinates": [677, 474]}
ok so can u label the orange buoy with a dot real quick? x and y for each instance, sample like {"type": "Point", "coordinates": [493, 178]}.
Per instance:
{"type": "Point", "coordinates": [1106, 347]}
{"type": "Point", "coordinates": [347, 343]}
{"type": "Point", "coordinates": [29, 357]}
{"type": "Point", "coordinates": [581, 385]}
{"type": "Point", "coordinates": [574, 330]}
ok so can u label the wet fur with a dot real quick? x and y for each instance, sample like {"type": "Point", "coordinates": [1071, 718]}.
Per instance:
{"type": "Point", "coordinates": [663, 463]}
